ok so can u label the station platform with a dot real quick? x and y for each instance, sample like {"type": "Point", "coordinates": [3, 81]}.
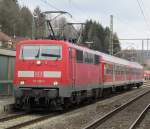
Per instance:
{"type": "Point", "coordinates": [6, 104]}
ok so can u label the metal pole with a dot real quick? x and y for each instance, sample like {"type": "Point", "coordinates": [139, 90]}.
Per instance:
{"type": "Point", "coordinates": [111, 36]}
{"type": "Point", "coordinates": [147, 47]}
{"type": "Point", "coordinates": [33, 24]}
{"type": "Point", "coordinates": [8, 75]}
{"type": "Point", "coordinates": [46, 30]}
{"type": "Point", "coordinates": [142, 54]}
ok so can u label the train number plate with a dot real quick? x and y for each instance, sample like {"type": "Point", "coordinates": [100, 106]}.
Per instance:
{"type": "Point", "coordinates": [38, 74]}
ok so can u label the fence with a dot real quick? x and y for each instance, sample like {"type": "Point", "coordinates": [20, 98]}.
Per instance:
{"type": "Point", "coordinates": [7, 62]}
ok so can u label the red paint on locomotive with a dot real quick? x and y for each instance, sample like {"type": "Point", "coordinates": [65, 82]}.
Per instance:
{"type": "Point", "coordinates": [60, 70]}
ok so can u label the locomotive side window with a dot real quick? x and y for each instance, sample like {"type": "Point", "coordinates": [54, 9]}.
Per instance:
{"type": "Point", "coordinates": [79, 56]}
{"type": "Point", "coordinates": [88, 58]}
{"type": "Point", "coordinates": [96, 59]}
{"type": "Point", "coordinates": [41, 52]}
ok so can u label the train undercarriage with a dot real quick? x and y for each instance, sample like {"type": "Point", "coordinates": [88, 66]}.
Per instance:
{"type": "Point", "coordinates": [49, 98]}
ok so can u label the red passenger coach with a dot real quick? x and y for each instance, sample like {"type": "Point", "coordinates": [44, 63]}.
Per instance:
{"type": "Point", "coordinates": [147, 74]}
{"type": "Point", "coordinates": [52, 72]}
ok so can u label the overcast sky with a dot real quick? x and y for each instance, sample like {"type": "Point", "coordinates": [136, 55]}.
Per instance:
{"type": "Point", "coordinates": [128, 19]}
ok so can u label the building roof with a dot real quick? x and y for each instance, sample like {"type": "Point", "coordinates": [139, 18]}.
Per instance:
{"type": "Point", "coordinates": [4, 37]}
{"type": "Point", "coordinates": [7, 52]}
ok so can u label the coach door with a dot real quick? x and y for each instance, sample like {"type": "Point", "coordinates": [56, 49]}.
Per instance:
{"type": "Point", "coordinates": [72, 65]}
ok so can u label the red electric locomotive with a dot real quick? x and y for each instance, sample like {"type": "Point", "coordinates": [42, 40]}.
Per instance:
{"type": "Point", "coordinates": [52, 72]}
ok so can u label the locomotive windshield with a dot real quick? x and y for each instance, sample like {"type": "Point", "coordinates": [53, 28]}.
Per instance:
{"type": "Point", "coordinates": [41, 52]}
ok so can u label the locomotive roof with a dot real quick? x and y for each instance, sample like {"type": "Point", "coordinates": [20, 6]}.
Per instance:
{"type": "Point", "coordinates": [109, 58]}
{"type": "Point", "coordinates": [105, 57]}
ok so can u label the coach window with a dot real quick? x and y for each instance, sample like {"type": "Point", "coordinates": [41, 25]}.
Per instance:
{"type": "Point", "coordinates": [118, 70]}
{"type": "Point", "coordinates": [104, 69]}
{"type": "Point", "coordinates": [90, 58]}
{"type": "Point", "coordinates": [79, 56]}
{"type": "Point", "coordinates": [122, 70]}
{"type": "Point", "coordinates": [115, 69]}
{"type": "Point", "coordinates": [111, 69]}
{"type": "Point", "coordinates": [108, 69]}
{"type": "Point", "coordinates": [127, 71]}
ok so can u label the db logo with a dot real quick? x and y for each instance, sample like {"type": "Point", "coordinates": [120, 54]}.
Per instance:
{"type": "Point", "coordinates": [38, 74]}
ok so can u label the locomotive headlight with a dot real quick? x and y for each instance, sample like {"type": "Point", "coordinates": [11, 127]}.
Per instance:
{"type": "Point", "coordinates": [55, 83]}
{"type": "Point", "coordinates": [22, 82]}
{"type": "Point", "coordinates": [38, 62]}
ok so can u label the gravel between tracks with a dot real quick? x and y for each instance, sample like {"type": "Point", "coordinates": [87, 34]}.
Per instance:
{"type": "Point", "coordinates": [145, 124]}
{"type": "Point", "coordinates": [124, 118]}
{"type": "Point", "coordinates": [80, 117]}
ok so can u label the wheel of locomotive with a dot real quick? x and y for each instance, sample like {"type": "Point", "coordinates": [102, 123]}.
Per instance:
{"type": "Point", "coordinates": [138, 85]}
{"type": "Point", "coordinates": [67, 103]}
{"type": "Point", "coordinates": [18, 104]}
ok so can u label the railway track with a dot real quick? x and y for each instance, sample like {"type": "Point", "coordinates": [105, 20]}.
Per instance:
{"type": "Point", "coordinates": [9, 117]}
{"type": "Point", "coordinates": [140, 118]}
{"type": "Point", "coordinates": [107, 121]}
{"type": "Point", "coordinates": [9, 122]}
{"type": "Point", "coordinates": [23, 120]}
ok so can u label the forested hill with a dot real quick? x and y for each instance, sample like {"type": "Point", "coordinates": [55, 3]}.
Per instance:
{"type": "Point", "coordinates": [100, 36]}
{"type": "Point", "coordinates": [19, 21]}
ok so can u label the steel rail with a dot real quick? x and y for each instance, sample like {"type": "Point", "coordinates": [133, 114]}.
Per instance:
{"type": "Point", "coordinates": [102, 119]}
{"type": "Point", "coordinates": [140, 118]}
{"type": "Point", "coordinates": [2, 119]}
{"type": "Point", "coordinates": [34, 120]}
{"type": "Point", "coordinates": [30, 122]}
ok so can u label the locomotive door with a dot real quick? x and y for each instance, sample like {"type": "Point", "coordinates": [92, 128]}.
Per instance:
{"type": "Point", "coordinates": [101, 73]}
{"type": "Point", "coordinates": [72, 66]}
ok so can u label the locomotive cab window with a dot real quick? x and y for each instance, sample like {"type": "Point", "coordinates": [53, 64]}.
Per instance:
{"type": "Point", "coordinates": [30, 52]}
{"type": "Point", "coordinates": [50, 52]}
{"type": "Point", "coordinates": [41, 52]}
